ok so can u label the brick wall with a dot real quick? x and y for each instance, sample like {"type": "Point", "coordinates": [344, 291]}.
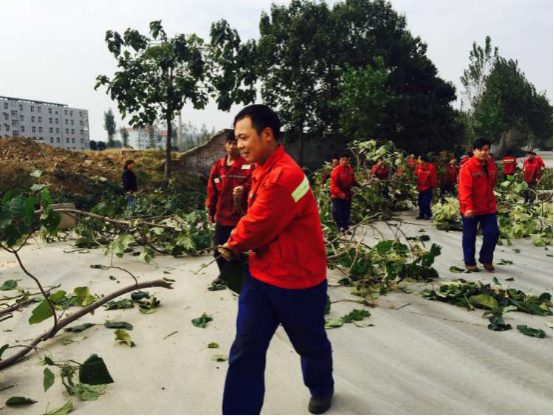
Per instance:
{"type": "Point", "coordinates": [316, 152]}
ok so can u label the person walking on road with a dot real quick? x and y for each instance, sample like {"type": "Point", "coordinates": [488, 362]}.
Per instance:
{"type": "Point", "coordinates": [509, 163]}
{"type": "Point", "coordinates": [129, 180]}
{"type": "Point", "coordinates": [286, 281]}
{"type": "Point", "coordinates": [426, 174]}
{"type": "Point", "coordinates": [228, 185]}
{"type": "Point", "coordinates": [342, 182]}
{"type": "Point", "coordinates": [478, 206]}
{"type": "Point", "coordinates": [531, 176]}
{"type": "Point", "coordinates": [449, 179]}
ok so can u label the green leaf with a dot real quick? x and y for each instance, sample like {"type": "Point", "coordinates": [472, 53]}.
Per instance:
{"type": "Point", "coordinates": [531, 332]}
{"type": "Point", "coordinates": [496, 282]}
{"type": "Point", "coordinates": [510, 279]}
{"type": "Point", "coordinates": [94, 371]}
{"type": "Point", "coordinates": [49, 379]}
{"type": "Point", "coordinates": [138, 295]}
{"type": "Point", "coordinates": [484, 301]}
{"type": "Point", "coordinates": [18, 401]}
{"type": "Point", "coordinates": [64, 410]}
{"type": "Point", "coordinates": [217, 288]}
{"type": "Point", "coordinates": [202, 321]}
{"type": "Point", "coordinates": [58, 296]}
{"type": "Point", "coordinates": [219, 358]}
{"type": "Point", "coordinates": [83, 296]}
{"type": "Point", "coordinates": [6, 218]}
{"type": "Point", "coordinates": [36, 174]}
{"type": "Point", "coordinates": [87, 392]}
{"type": "Point", "coordinates": [122, 337]}
{"type": "Point", "coordinates": [47, 361]}
{"type": "Point", "coordinates": [113, 278]}
{"type": "Point", "coordinates": [355, 315]}
{"type": "Point", "coordinates": [333, 323]}
{"type": "Point", "coordinates": [455, 269]}
{"type": "Point", "coordinates": [119, 304]}
{"type": "Point", "coordinates": [503, 262]}
{"type": "Point", "coordinates": [213, 345]}
{"type": "Point", "coordinates": [40, 313]}
{"type": "Point", "coordinates": [119, 325]}
{"type": "Point", "coordinates": [37, 187]}
{"type": "Point", "coordinates": [79, 328]}
{"type": "Point", "coordinates": [9, 285]}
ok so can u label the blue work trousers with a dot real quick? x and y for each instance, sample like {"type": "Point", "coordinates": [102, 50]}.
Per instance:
{"type": "Point", "coordinates": [424, 203]}
{"type": "Point", "coordinates": [262, 307]}
{"type": "Point", "coordinates": [341, 213]}
{"type": "Point", "coordinates": [489, 228]}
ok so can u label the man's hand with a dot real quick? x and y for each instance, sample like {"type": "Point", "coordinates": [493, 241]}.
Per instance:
{"type": "Point", "coordinates": [227, 252]}
{"type": "Point", "coordinates": [210, 218]}
{"type": "Point", "coordinates": [238, 191]}
{"type": "Point", "coordinates": [468, 214]}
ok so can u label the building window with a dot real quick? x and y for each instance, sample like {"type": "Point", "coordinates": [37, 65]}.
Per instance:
{"type": "Point", "coordinates": [21, 118]}
{"type": "Point", "coordinates": [39, 119]}
{"type": "Point", "coordinates": [82, 140]}
{"type": "Point", "coordinates": [67, 140]}
{"type": "Point", "coordinates": [71, 113]}
{"type": "Point", "coordinates": [56, 112]}
{"type": "Point", "coordinates": [57, 130]}
{"type": "Point", "coordinates": [50, 120]}
{"type": "Point", "coordinates": [49, 110]}
{"type": "Point", "coordinates": [32, 109]}
{"type": "Point", "coordinates": [81, 122]}
{"type": "Point", "coordinates": [15, 123]}
{"type": "Point", "coordinates": [72, 131]}
{"type": "Point", "coordinates": [73, 140]}
{"type": "Point", "coordinates": [51, 129]}
{"type": "Point", "coordinates": [20, 107]}
{"type": "Point", "coordinates": [6, 116]}
{"type": "Point", "coordinates": [7, 127]}
{"type": "Point", "coordinates": [5, 106]}
{"type": "Point", "coordinates": [80, 114]}
{"type": "Point", "coordinates": [34, 129]}
{"type": "Point", "coordinates": [82, 131]}
{"type": "Point", "coordinates": [57, 140]}
{"type": "Point", "coordinates": [57, 120]}
{"type": "Point", "coordinates": [66, 131]}
{"type": "Point", "coordinates": [16, 133]}
{"type": "Point", "coordinates": [51, 140]}
{"type": "Point", "coordinates": [23, 129]}
{"type": "Point", "coordinates": [32, 119]}
{"type": "Point", "coordinates": [65, 112]}
{"type": "Point", "coordinates": [39, 108]}
{"type": "Point", "coordinates": [14, 113]}
{"type": "Point", "coordinates": [72, 122]}
{"type": "Point", "coordinates": [40, 129]}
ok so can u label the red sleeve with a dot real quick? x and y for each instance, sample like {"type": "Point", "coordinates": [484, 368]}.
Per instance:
{"type": "Point", "coordinates": [541, 162]}
{"type": "Point", "coordinates": [465, 188]}
{"type": "Point", "coordinates": [335, 188]}
{"type": "Point", "coordinates": [372, 171]}
{"type": "Point", "coordinates": [271, 212]}
{"type": "Point", "coordinates": [211, 201]}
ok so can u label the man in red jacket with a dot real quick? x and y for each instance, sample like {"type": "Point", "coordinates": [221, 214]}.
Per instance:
{"type": "Point", "coordinates": [540, 162]}
{"type": "Point", "coordinates": [531, 175]}
{"type": "Point", "coordinates": [426, 174]}
{"type": "Point", "coordinates": [509, 163]}
{"type": "Point", "coordinates": [478, 205]}
{"type": "Point", "coordinates": [342, 182]}
{"type": "Point", "coordinates": [381, 172]}
{"type": "Point", "coordinates": [449, 179]}
{"type": "Point", "coordinates": [286, 283]}
{"type": "Point", "coordinates": [229, 181]}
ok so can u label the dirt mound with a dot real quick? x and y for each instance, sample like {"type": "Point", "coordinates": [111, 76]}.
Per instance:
{"type": "Point", "coordinates": [68, 169]}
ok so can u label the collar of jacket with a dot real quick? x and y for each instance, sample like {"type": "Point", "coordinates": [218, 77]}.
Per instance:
{"type": "Point", "coordinates": [275, 156]}
{"type": "Point", "coordinates": [477, 164]}
{"type": "Point", "coordinates": [238, 161]}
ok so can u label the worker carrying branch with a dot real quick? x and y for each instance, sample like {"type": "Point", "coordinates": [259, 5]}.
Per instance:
{"type": "Point", "coordinates": [286, 281]}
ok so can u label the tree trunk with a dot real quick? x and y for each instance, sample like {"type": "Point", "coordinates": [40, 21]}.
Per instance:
{"type": "Point", "coordinates": [168, 149]}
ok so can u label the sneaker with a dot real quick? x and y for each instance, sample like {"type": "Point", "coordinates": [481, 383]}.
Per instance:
{"type": "Point", "coordinates": [319, 405]}
{"type": "Point", "coordinates": [488, 267]}
{"type": "Point", "coordinates": [217, 281]}
{"type": "Point", "coordinates": [472, 268]}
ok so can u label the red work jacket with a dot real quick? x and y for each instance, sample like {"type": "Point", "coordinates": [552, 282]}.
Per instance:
{"type": "Point", "coordinates": [476, 189]}
{"type": "Point", "coordinates": [426, 177]}
{"type": "Point", "coordinates": [509, 165]}
{"type": "Point", "coordinates": [282, 227]}
{"type": "Point", "coordinates": [222, 181]}
{"type": "Point", "coordinates": [531, 171]}
{"type": "Point", "coordinates": [380, 170]}
{"type": "Point", "coordinates": [342, 181]}
{"type": "Point", "coordinates": [450, 175]}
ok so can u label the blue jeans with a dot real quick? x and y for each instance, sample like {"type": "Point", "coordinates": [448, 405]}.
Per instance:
{"type": "Point", "coordinates": [262, 307]}
{"type": "Point", "coordinates": [131, 202]}
{"type": "Point", "coordinates": [489, 227]}
{"type": "Point", "coordinates": [341, 213]}
{"type": "Point", "coordinates": [424, 202]}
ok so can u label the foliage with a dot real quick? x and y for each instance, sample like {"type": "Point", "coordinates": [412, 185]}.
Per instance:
{"type": "Point", "coordinates": [124, 136]}
{"type": "Point", "coordinates": [202, 321]}
{"type": "Point", "coordinates": [110, 126]}
{"type": "Point", "coordinates": [363, 99]}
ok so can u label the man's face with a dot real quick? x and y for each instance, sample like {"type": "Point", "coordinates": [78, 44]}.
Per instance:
{"type": "Point", "coordinates": [335, 163]}
{"type": "Point", "coordinates": [131, 166]}
{"type": "Point", "coordinates": [344, 161]}
{"type": "Point", "coordinates": [452, 162]}
{"type": "Point", "coordinates": [232, 149]}
{"type": "Point", "coordinates": [529, 156]}
{"type": "Point", "coordinates": [483, 153]}
{"type": "Point", "coordinates": [254, 147]}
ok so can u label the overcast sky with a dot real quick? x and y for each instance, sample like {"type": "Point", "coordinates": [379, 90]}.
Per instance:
{"type": "Point", "coordinates": [53, 50]}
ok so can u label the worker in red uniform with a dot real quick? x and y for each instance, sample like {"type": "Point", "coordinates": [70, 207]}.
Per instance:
{"type": "Point", "coordinates": [478, 206]}
{"type": "Point", "coordinates": [286, 282]}
{"type": "Point", "coordinates": [327, 173]}
{"type": "Point", "coordinates": [229, 182]}
{"type": "Point", "coordinates": [509, 164]}
{"type": "Point", "coordinates": [540, 162]}
{"type": "Point", "coordinates": [342, 182]}
{"type": "Point", "coordinates": [531, 176]}
{"type": "Point", "coordinates": [380, 172]}
{"type": "Point", "coordinates": [426, 174]}
{"type": "Point", "coordinates": [449, 179]}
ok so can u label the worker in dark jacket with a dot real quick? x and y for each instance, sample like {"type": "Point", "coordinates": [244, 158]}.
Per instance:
{"type": "Point", "coordinates": [129, 182]}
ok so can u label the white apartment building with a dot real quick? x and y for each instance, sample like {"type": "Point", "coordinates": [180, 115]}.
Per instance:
{"type": "Point", "coordinates": [54, 124]}
{"type": "Point", "coordinates": [140, 139]}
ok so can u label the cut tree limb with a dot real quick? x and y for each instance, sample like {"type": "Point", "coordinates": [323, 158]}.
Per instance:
{"type": "Point", "coordinates": [80, 313]}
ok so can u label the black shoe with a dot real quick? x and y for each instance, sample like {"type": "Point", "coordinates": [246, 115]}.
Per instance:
{"type": "Point", "coordinates": [428, 217]}
{"type": "Point", "coordinates": [319, 405]}
{"type": "Point", "coordinates": [218, 281]}
{"type": "Point", "coordinates": [419, 217]}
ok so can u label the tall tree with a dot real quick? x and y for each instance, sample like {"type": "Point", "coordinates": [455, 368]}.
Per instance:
{"type": "Point", "coordinates": [156, 76]}
{"type": "Point", "coordinates": [293, 45]}
{"type": "Point", "coordinates": [124, 136]}
{"type": "Point", "coordinates": [363, 98]}
{"type": "Point", "coordinates": [110, 126]}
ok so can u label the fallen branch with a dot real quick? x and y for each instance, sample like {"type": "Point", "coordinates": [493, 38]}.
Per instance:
{"type": "Point", "coordinates": [80, 313]}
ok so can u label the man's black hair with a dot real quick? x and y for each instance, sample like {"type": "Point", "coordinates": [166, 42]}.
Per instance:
{"type": "Point", "coordinates": [230, 136]}
{"type": "Point", "coordinates": [261, 117]}
{"type": "Point", "coordinates": [425, 158]}
{"type": "Point", "coordinates": [529, 153]}
{"type": "Point", "coordinates": [336, 156]}
{"type": "Point", "coordinates": [480, 143]}
{"type": "Point", "coordinates": [534, 153]}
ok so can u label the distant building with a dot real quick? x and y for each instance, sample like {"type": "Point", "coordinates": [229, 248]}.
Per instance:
{"type": "Point", "coordinates": [54, 124]}
{"type": "Point", "coordinates": [140, 139]}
